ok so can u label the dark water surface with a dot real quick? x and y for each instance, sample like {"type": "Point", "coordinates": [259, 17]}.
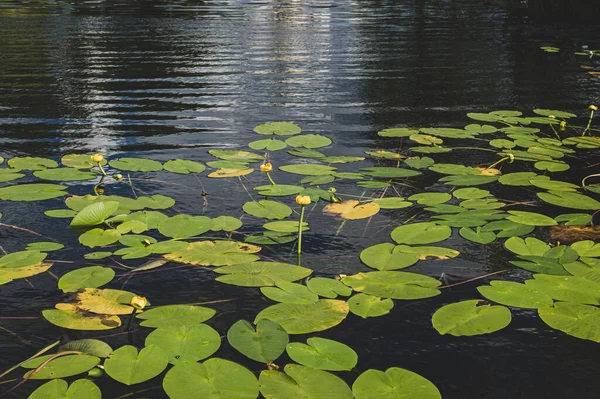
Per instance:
{"type": "Point", "coordinates": [173, 79]}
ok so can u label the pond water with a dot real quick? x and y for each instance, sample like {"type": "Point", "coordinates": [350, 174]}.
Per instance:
{"type": "Point", "coordinates": [174, 79]}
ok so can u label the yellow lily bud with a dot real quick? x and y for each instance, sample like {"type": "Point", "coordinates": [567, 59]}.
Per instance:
{"type": "Point", "coordinates": [511, 157]}
{"type": "Point", "coordinates": [266, 167]}
{"type": "Point", "coordinates": [138, 302]}
{"type": "Point", "coordinates": [551, 116]}
{"type": "Point", "coordinates": [303, 200]}
{"type": "Point", "coordinates": [118, 177]}
{"type": "Point", "coordinates": [97, 158]}
{"type": "Point", "coordinates": [99, 190]}
{"type": "Point", "coordinates": [593, 107]}
{"type": "Point", "coordinates": [563, 125]}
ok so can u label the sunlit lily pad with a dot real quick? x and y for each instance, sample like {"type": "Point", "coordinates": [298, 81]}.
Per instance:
{"type": "Point", "coordinates": [587, 248]}
{"type": "Point", "coordinates": [105, 301]}
{"type": "Point", "coordinates": [528, 246]}
{"type": "Point", "coordinates": [302, 382]}
{"type": "Point", "coordinates": [365, 305]}
{"type": "Point", "coordinates": [286, 292]}
{"type": "Point", "coordinates": [468, 318]}
{"type": "Point", "coordinates": [183, 166]}
{"type": "Point", "coordinates": [31, 163]}
{"type": "Point", "coordinates": [581, 321]}
{"type": "Point", "coordinates": [308, 141]}
{"type": "Point", "coordinates": [215, 253]}
{"type": "Point", "coordinates": [185, 343]}
{"type": "Point", "coordinates": [567, 288]}
{"type": "Point", "coordinates": [514, 294]}
{"type": "Point", "coordinates": [278, 190]}
{"type": "Point", "coordinates": [389, 172]}
{"type": "Point", "coordinates": [554, 112]}
{"type": "Point", "coordinates": [175, 316]}
{"type": "Point", "coordinates": [386, 256]}
{"type": "Point", "coordinates": [328, 287]}
{"type": "Point", "coordinates": [225, 173]}
{"type": "Point", "coordinates": [265, 344]}
{"type": "Point", "coordinates": [268, 144]}
{"type": "Point", "coordinates": [60, 389]}
{"type": "Point", "coordinates": [398, 132]}
{"type": "Point", "coordinates": [44, 246]}
{"type": "Point", "coordinates": [95, 213]}
{"type": "Point", "coordinates": [531, 218]}
{"type": "Point", "coordinates": [215, 378]}
{"type": "Point", "coordinates": [394, 383]}
{"type": "Point", "coordinates": [278, 128]}
{"type": "Point", "coordinates": [99, 237]}
{"type": "Point", "coordinates": [285, 226]}
{"type": "Point", "coordinates": [385, 154]}
{"type": "Point", "coordinates": [306, 318]}
{"type": "Point", "coordinates": [60, 367]}
{"type": "Point", "coordinates": [308, 169]}
{"type": "Point", "coordinates": [86, 277]}
{"type": "Point", "coordinates": [506, 228]}
{"type": "Point", "coordinates": [323, 354]}
{"type": "Point", "coordinates": [261, 274]}
{"type": "Point", "coordinates": [393, 284]}
{"type": "Point", "coordinates": [32, 192]}
{"type": "Point", "coordinates": [65, 174]}
{"type": "Point", "coordinates": [7, 174]}
{"type": "Point", "coordinates": [136, 165]}
{"type": "Point", "coordinates": [570, 200]}
{"type": "Point", "coordinates": [420, 233]}
{"type": "Point", "coordinates": [71, 317]}
{"type": "Point", "coordinates": [22, 259]}
{"type": "Point", "coordinates": [351, 210]}
{"type": "Point", "coordinates": [128, 367]}
{"type": "Point", "coordinates": [80, 161]}
{"type": "Point", "coordinates": [478, 236]}
{"type": "Point", "coordinates": [574, 219]}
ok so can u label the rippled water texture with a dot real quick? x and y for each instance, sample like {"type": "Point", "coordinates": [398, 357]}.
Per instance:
{"type": "Point", "coordinates": [172, 79]}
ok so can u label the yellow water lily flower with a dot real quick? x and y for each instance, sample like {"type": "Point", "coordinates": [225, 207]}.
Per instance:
{"type": "Point", "coordinates": [266, 167]}
{"type": "Point", "coordinates": [97, 158]}
{"type": "Point", "coordinates": [563, 124]}
{"type": "Point", "coordinates": [118, 177]}
{"type": "Point", "coordinates": [138, 302]}
{"type": "Point", "coordinates": [593, 107]}
{"type": "Point", "coordinates": [303, 200]}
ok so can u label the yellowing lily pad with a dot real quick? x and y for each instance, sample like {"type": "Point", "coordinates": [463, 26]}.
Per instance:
{"type": "Point", "coordinates": [215, 253]}
{"type": "Point", "coordinates": [351, 210]}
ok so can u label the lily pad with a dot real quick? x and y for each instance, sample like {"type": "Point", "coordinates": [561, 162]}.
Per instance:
{"type": "Point", "coordinates": [265, 344]}
{"type": "Point", "coordinates": [22, 258]}
{"type": "Point", "coordinates": [261, 274]}
{"type": "Point", "coordinates": [215, 378]}
{"type": "Point", "coordinates": [183, 166]}
{"type": "Point", "coordinates": [225, 173]}
{"type": "Point", "coordinates": [31, 163]}
{"type": "Point", "coordinates": [514, 294]}
{"type": "Point", "coordinates": [87, 277]}
{"type": "Point", "coordinates": [478, 236]}
{"type": "Point", "coordinates": [394, 383]}
{"type": "Point", "coordinates": [392, 284]}
{"type": "Point", "coordinates": [80, 161]}
{"type": "Point", "coordinates": [60, 389]}
{"type": "Point", "coordinates": [328, 287]}
{"type": "Point", "coordinates": [71, 317]}
{"type": "Point", "coordinates": [128, 367]}
{"type": "Point", "coordinates": [60, 367]}
{"type": "Point", "coordinates": [568, 200]}
{"type": "Point", "coordinates": [581, 321]}
{"type": "Point", "coordinates": [430, 198]}
{"type": "Point", "coordinates": [185, 226]}
{"type": "Point", "coordinates": [136, 165]}
{"type": "Point", "coordinates": [175, 316]}
{"type": "Point", "coordinates": [105, 301]}
{"type": "Point", "coordinates": [32, 192]}
{"type": "Point", "coordinates": [308, 141]}
{"type": "Point", "coordinates": [351, 210]}
{"type": "Point", "coordinates": [398, 132]}
{"type": "Point", "coordinates": [323, 354]}
{"type": "Point", "coordinates": [287, 292]}
{"type": "Point", "coordinates": [567, 288]}
{"type": "Point", "coordinates": [278, 190]}
{"type": "Point", "coordinates": [528, 246]}
{"type": "Point", "coordinates": [99, 238]}
{"type": "Point", "coordinates": [420, 233]}
{"type": "Point", "coordinates": [215, 253]}
{"type": "Point", "coordinates": [226, 223]}
{"type": "Point", "coordinates": [285, 226]}
{"type": "Point", "coordinates": [268, 144]}
{"type": "Point", "coordinates": [389, 172]}
{"type": "Point", "coordinates": [392, 203]}
{"type": "Point", "coordinates": [365, 305]}
{"type": "Point", "coordinates": [531, 218]}
{"type": "Point", "coordinates": [468, 318]}
{"type": "Point", "coordinates": [278, 128]}
{"type": "Point", "coordinates": [309, 318]}
{"type": "Point", "coordinates": [95, 213]}
{"type": "Point", "coordinates": [308, 169]}
{"type": "Point", "coordinates": [185, 343]}
{"type": "Point", "coordinates": [92, 347]}
{"type": "Point", "coordinates": [302, 382]}
{"type": "Point", "coordinates": [267, 209]}
{"type": "Point", "coordinates": [65, 174]}
{"type": "Point", "coordinates": [387, 256]}
{"type": "Point", "coordinates": [574, 219]}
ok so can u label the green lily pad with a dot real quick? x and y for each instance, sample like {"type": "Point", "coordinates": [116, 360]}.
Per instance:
{"type": "Point", "coordinates": [529, 246]}
{"type": "Point", "coordinates": [270, 238]}
{"type": "Point", "coordinates": [31, 163]}
{"type": "Point", "coordinates": [183, 166]}
{"type": "Point", "coordinates": [128, 367]}
{"type": "Point", "coordinates": [468, 318]}
{"type": "Point", "coordinates": [7, 174]}
{"type": "Point", "coordinates": [394, 383]}
{"type": "Point", "coordinates": [393, 284]}
{"type": "Point", "coordinates": [308, 169]}
{"type": "Point", "coordinates": [514, 294]}
{"type": "Point", "coordinates": [22, 258]}
{"type": "Point", "coordinates": [175, 316]}
{"type": "Point", "coordinates": [302, 382]}
{"type": "Point", "coordinates": [261, 274]}
{"type": "Point", "coordinates": [531, 218]}
{"type": "Point", "coordinates": [95, 213]}
{"type": "Point", "coordinates": [60, 389]}
{"type": "Point", "coordinates": [71, 317]}
{"type": "Point", "coordinates": [587, 248]}
{"type": "Point", "coordinates": [468, 180]}
{"type": "Point", "coordinates": [99, 237]}
{"type": "Point", "coordinates": [60, 367]}
{"type": "Point", "coordinates": [32, 192]}
{"type": "Point", "coordinates": [285, 226]}
{"type": "Point", "coordinates": [389, 172]}
{"type": "Point", "coordinates": [278, 128]}
{"type": "Point", "coordinates": [397, 132]}
{"type": "Point", "coordinates": [471, 193]}
{"type": "Point", "coordinates": [278, 190]}
{"type": "Point", "coordinates": [185, 343]}
{"type": "Point", "coordinates": [574, 219]}
{"type": "Point", "coordinates": [478, 236]}
{"type": "Point", "coordinates": [226, 223]}
{"type": "Point", "coordinates": [224, 164]}
{"type": "Point", "coordinates": [392, 203]}
{"type": "Point", "coordinates": [93, 347]}
{"type": "Point", "coordinates": [328, 287]}
{"type": "Point", "coordinates": [265, 344]}
{"type": "Point", "coordinates": [419, 162]}
{"type": "Point", "coordinates": [80, 161]}
{"type": "Point", "coordinates": [65, 174]}
{"type": "Point", "coordinates": [185, 226]}
{"type": "Point", "coordinates": [341, 159]}
{"type": "Point", "coordinates": [323, 354]}
{"type": "Point", "coordinates": [373, 184]}
{"type": "Point", "coordinates": [308, 318]}
{"type": "Point", "coordinates": [215, 253]}
{"type": "Point", "coordinates": [105, 301]}
{"type": "Point", "coordinates": [317, 180]}
{"type": "Point", "coordinates": [430, 198]}
{"type": "Point", "coordinates": [502, 143]}
{"type": "Point", "coordinates": [365, 305]}
{"type": "Point", "coordinates": [554, 112]}
{"type": "Point", "coordinates": [86, 277]}
{"type": "Point", "coordinates": [568, 200]}
{"type": "Point", "coordinates": [448, 132]}
{"type": "Point", "coordinates": [287, 292]}
{"type": "Point", "coordinates": [268, 144]}
{"type": "Point", "coordinates": [308, 141]}
{"type": "Point", "coordinates": [136, 165]}
{"type": "Point", "coordinates": [567, 288]}
{"type": "Point", "coordinates": [44, 246]}
{"type": "Point", "coordinates": [581, 321]}
{"type": "Point", "coordinates": [541, 264]}
{"type": "Point", "coordinates": [387, 256]}
{"type": "Point", "coordinates": [215, 378]}
{"type": "Point", "coordinates": [420, 233]}
{"type": "Point", "coordinates": [507, 228]}
{"type": "Point", "coordinates": [305, 153]}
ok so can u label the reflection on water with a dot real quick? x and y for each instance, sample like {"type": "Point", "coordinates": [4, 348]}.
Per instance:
{"type": "Point", "coordinates": [170, 79]}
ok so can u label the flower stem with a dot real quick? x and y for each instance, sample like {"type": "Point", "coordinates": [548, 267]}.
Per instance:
{"type": "Point", "coordinates": [496, 163]}
{"type": "Point", "coordinates": [300, 233]}
{"type": "Point", "coordinates": [130, 320]}
{"type": "Point", "coordinates": [270, 179]}
{"type": "Point", "coordinates": [589, 123]}
{"type": "Point", "coordinates": [101, 169]}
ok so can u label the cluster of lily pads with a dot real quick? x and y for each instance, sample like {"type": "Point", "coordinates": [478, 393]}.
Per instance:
{"type": "Point", "coordinates": [564, 286]}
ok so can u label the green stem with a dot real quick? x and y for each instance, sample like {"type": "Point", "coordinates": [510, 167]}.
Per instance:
{"type": "Point", "coordinates": [300, 233]}
{"type": "Point", "coordinates": [555, 132]}
{"type": "Point", "coordinates": [101, 169]}
{"type": "Point", "coordinates": [131, 319]}
{"type": "Point", "coordinates": [496, 163]}
{"type": "Point", "coordinates": [589, 123]}
{"type": "Point", "coordinates": [271, 180]}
